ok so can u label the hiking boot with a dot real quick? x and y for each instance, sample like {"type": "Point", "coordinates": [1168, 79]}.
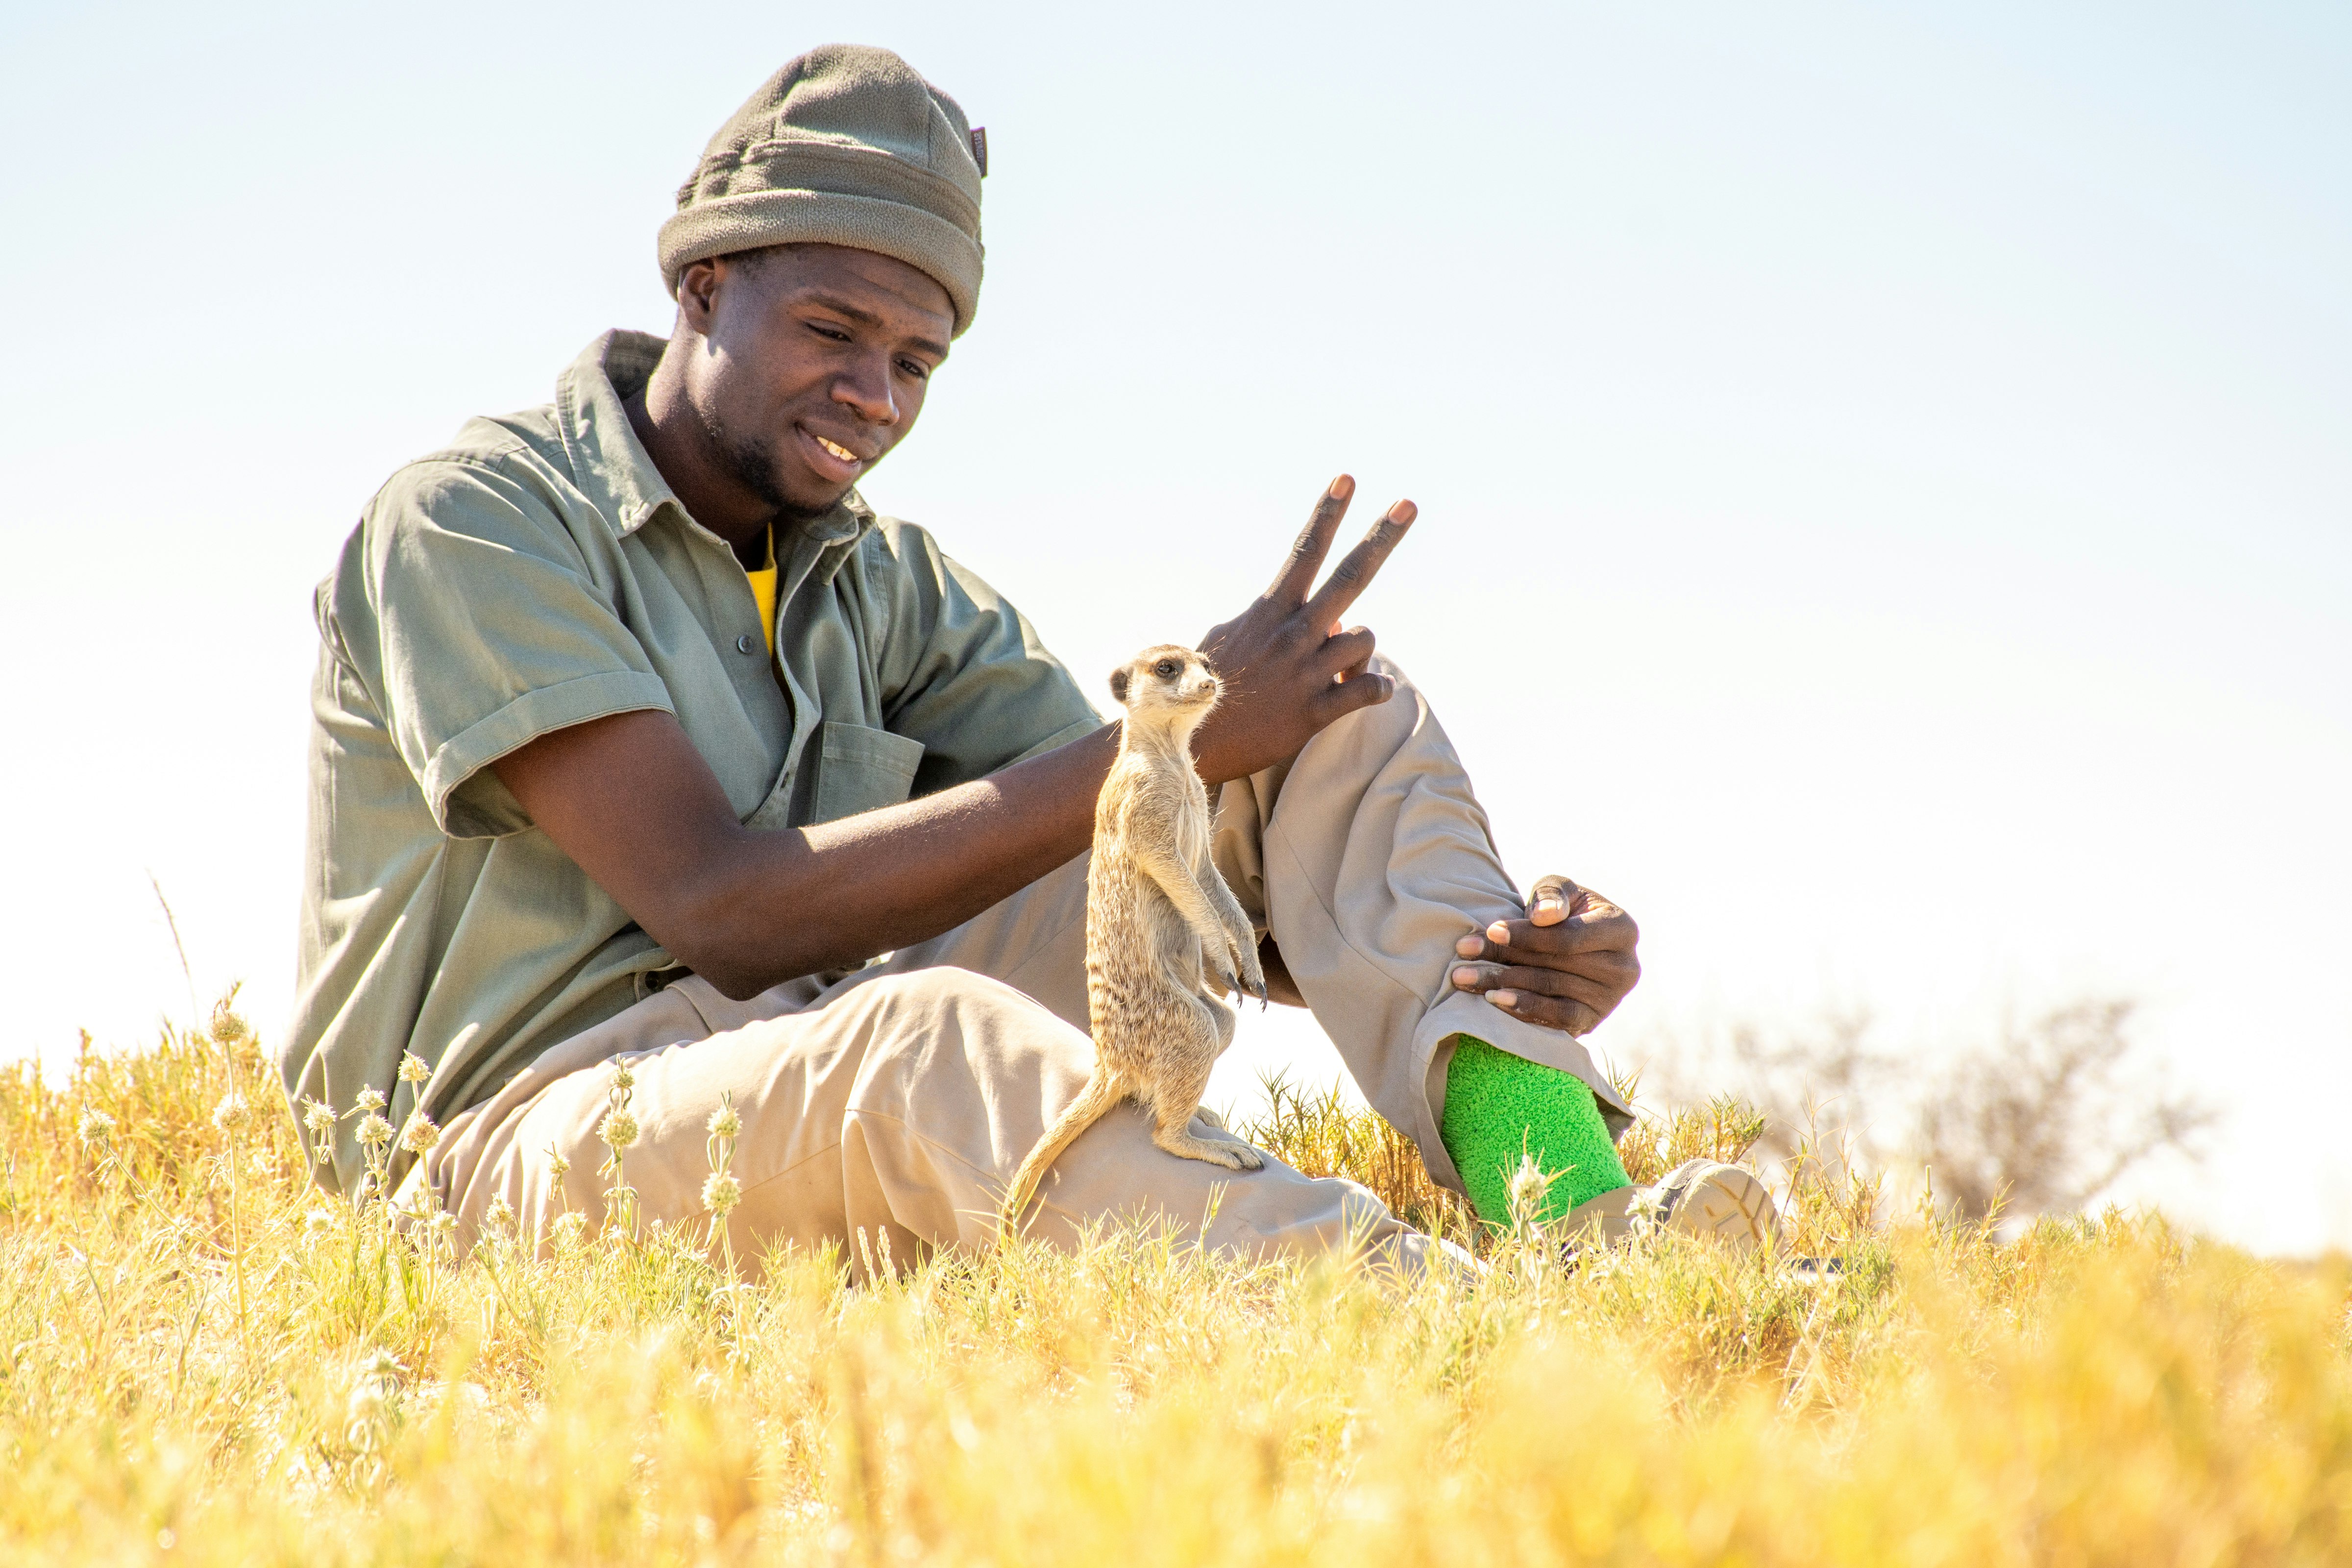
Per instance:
{"type": "Point", "coordinates": [1698, 1198]}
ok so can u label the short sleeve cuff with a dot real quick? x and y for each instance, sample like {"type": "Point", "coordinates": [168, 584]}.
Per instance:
{"type": "Point", "coordinates": [1060, 738]}
{"type": "Point", "coordinates": [540, 711]}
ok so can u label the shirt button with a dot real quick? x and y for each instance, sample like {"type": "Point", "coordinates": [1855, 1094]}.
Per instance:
{"type": "Point", "coordinates": [743, 643]}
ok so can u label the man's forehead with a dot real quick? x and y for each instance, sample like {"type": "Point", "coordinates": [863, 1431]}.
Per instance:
{"type": "Point", "coordinates": [866, 287]}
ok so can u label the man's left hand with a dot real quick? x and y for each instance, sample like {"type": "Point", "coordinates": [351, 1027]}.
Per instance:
{"type": "Point", "coordinates": [1566, 966]}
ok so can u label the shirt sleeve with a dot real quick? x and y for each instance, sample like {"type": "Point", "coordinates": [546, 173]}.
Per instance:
{"type": "Point", "coordinates": [961, 670]}
{"type": "Point", "coordinates": [488, 630]}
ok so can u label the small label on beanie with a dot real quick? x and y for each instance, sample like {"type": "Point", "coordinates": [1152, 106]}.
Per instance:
{"type": "Point", "coordinates": [980, 149]}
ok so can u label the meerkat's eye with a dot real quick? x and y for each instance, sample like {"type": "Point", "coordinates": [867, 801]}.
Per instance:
{"type": "Point", "coordinates": [1165, 669]}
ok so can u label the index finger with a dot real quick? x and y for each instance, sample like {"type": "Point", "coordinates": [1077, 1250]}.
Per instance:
{"type": "Point", "coordinates": [1605, 928]}
{"type": "Point", "coordinates": [1356, 569]}
{"type": "Point", "coordinates": [1313, 543]}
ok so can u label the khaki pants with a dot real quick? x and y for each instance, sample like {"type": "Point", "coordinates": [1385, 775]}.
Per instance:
{"type": "Point", "coordinates": [899, 1100]}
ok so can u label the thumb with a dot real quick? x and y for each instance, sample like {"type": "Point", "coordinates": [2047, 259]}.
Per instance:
{"type": "Point", "coordinates": [1551, 899]}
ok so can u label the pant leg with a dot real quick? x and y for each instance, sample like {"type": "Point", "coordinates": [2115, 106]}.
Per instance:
{"type": "Point", "coordinates": [898, 1104]}
{"type": "Point", "coordinates": [1366, 857]}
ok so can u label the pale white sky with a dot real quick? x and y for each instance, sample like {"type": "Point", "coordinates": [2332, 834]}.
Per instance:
{"type": "Point", "coordinates": [1887, 495]}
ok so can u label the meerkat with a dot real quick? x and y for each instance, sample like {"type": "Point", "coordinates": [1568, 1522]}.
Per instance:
{"type": "Point", "coordinates": [1163, 928]}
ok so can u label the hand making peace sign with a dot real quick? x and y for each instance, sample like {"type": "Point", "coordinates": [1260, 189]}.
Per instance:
{"type": "Point", "coordinates": [1286, 667]}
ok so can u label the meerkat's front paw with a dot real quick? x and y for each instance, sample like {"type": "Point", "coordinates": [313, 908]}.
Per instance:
{"type": "Point", "coordinates": [1245, 1158]}
{"type": "Point", "coordinates": [1253, 973]}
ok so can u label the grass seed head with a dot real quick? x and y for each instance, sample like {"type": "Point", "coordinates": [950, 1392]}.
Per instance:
{"type": "Point", "coordinates": [721, 1193]}
{"type": "Point", "coordinates": [421, 1133]}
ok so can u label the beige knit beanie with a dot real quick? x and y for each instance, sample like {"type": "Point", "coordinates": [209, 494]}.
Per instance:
{"type": "Point", "coordinates": [845, 145]}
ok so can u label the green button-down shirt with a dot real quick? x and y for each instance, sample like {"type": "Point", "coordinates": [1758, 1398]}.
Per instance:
{"type": "Point", "coordinates": [537, 573]}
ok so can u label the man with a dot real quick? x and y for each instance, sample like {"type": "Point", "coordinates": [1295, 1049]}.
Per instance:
{"type": "Point", "coordinates": [640, 737]}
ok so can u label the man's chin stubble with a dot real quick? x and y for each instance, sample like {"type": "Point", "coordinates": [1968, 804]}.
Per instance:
{"type": "Point", "coordinates": [751, 461]}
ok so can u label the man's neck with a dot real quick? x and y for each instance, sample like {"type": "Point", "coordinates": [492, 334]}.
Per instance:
{"type": "Point", "coordinates": [674, 439]}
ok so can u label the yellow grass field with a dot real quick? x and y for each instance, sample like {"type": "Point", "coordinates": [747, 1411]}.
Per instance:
{"type": "Point", "coordinates": [207, 1361]}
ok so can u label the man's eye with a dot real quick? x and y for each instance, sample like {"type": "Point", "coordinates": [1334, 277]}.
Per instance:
{"type": "Point", "coordinates": [914, 368]}
{"type": "Point", "coordinates": [835, 333]}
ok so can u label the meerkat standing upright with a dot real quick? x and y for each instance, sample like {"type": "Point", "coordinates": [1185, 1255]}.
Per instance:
{"type": "Point", "coordinates": [1161, 927]}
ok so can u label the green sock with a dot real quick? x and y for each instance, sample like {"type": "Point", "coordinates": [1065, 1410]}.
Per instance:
{"type": "Point", "coordinates": [1498, 1106]}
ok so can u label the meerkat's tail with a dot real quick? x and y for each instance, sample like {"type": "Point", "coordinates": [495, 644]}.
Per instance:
{"type": "Point", "coordinates": [1103, 1091]}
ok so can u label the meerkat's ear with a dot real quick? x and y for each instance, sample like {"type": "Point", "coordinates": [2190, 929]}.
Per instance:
{"type": "Point", "coordinates": [1118, 684]}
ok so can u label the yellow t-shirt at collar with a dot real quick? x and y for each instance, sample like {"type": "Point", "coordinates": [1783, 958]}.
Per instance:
{"type": "Point", "coordinates": [763, 591]}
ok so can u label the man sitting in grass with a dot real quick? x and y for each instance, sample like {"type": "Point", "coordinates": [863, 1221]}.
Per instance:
{"type": "Point", "coordinates": [640, 737]}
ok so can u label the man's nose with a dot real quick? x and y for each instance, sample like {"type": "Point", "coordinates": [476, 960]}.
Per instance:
{"type": "Point", "coordinates": [864, 386]}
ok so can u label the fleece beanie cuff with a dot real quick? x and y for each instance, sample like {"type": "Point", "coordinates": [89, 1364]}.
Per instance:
{"type": "Point", "coordinates": [1499, 1107]}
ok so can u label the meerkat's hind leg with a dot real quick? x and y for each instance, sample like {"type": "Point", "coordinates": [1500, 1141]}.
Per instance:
{"type": "Point", "coordinates": [1171, 1130]}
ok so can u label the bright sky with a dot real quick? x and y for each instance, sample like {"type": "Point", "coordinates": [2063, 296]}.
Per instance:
{"type": "Point", "coordinates": [1886, 493]}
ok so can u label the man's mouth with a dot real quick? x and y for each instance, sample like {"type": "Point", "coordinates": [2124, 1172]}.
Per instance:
{"type": "Point", "coordinates": [831, 458]}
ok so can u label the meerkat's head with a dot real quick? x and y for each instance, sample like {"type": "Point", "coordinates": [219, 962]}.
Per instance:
{"type": "Point", "coordinates": [1166, 685]}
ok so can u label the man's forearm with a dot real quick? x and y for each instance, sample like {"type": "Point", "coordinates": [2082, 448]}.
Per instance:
{"type": "Point", "coordinates": [630, 799]}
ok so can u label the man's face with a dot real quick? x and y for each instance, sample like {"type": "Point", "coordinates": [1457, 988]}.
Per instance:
{"type": "Point", "coordinates": [813, 365]}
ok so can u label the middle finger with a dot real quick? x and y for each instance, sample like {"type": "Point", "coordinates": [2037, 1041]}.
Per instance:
{"type": "Point", "coordinates": [1599, 994]}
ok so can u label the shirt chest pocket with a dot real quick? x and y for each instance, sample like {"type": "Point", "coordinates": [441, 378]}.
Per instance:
{"type": "Point", "coordinates": [860, 769]}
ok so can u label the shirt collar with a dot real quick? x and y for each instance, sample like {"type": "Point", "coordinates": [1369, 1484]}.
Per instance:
{"type": "Point", "coordinates": [612, 466]}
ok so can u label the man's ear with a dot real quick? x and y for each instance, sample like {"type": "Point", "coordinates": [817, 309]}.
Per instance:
{"type": "Point", "coordinates": [1118, 685]}
{"type": "Point", "coordinates": [698, 294]}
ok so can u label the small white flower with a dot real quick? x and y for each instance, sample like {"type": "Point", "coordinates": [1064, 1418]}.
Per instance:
{"type": "Point", "coordinates": [419, 1136]}
{"type": "Point", "coordinates": [1647, 1207]}
{"type": "Point", "coordinates": [414, 1069]}
{"type": "Point", "coordinates": [725, 1121]}
{"type": "Point", "coordinates": [366, 1100]}
{"type": "Point", "coordinates": [443, 1223]}
{"type": "Point", "coordinates": [721, 1193]}
{"type": "Point", "coordinates": [96, 1126]}
{"type": "Point", "coordinates": [232, 1115]}
{"type": "Point", "coordinates": [623, 1079]}
{"type": "Point", "coordinates": [318, 1221]}
{"type": "Point", "coordinates": [500, 1215]}
{"type": "Point", "coordinates": [563, 1232]}
{"type": "Point", "coordinates": [1530, 1187]}
{"type": "Point", "coordinates": [557, 1166]}
{"type": "Point", "coordinates": [227, 1028]}
{"type": "Point", "coordinates": [374, 1130]}
{"type": "Point", "coordinates": [618, 1129]}
{"type": "Point", "coordinates": [319, 1117]}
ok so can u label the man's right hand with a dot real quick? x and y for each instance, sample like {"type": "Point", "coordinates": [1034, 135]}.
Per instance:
{"type": "Point", "coordinates": [1286, 668]}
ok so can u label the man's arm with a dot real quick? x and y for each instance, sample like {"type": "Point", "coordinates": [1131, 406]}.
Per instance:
{"type": "Point", "coordinates": [629, 798]}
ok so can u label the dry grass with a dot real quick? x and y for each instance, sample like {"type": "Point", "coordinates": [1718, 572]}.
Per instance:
{"type": "Point", "coordinates": [2098, 1392]}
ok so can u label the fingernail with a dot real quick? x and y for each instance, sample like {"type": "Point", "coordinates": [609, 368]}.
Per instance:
{"type": "Point", "coordinates": [1465, 978]}
{"type": "Point", "coordinates": [1503, 999]}
{"type": "Point", "coordinates": [1543, 907]}
{"type": "Point", "coordinates": [1468, 946]}
{"type": "Point", "coordinates": [1498, 933]}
